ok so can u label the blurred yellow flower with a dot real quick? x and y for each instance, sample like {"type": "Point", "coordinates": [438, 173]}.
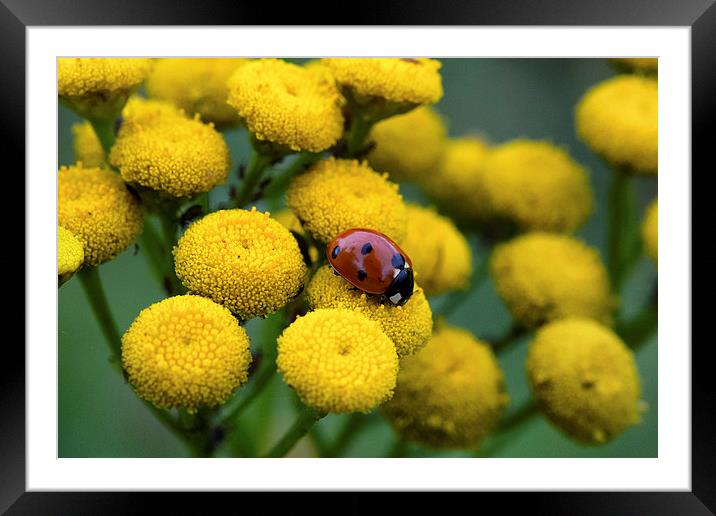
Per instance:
{"type": "Point", "coordinates": [335, 195]}
{"type": "Point", "coordinates": [88, 149]}
{"type": "Point", "coordinates": [196, 85]}
{"type": "Point", "coordinates": [618, 118]}
{"type": "Point", "coordinates": [244, 260]}
{"type": "Point", "coordinates": [70, 253]}
{"type": "Point", "coordinates": [409, 326]}
{"type": "Point", "coordinates": [584, 379]}
{"type": "Point", "coordinates": [543, 277]}
{"type": "Point", "coordinates": [534, 184]}
{"type": "Point", "coordinates": [185, 352]}
{"type": "Point", "coordinates": [408, 146]}
{"type": "Point", "coordinates": [162, 150]}
{"type": "Point", "coordinates": [338, 360]}
{"type": "Point", "coordinates": [287, 104]}
{"type": "Point", "coordinates": [441, 255]}
{"type": "Point", "coordinates": [650, 230]}
{"type": "Point", "coordinates": [95, 205]}
{"type": "Point", "coordinates": [450, 394]}
{"type": "Point", "coordinates": [406, 81]}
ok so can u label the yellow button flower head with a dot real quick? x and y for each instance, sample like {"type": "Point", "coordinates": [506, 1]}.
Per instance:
{"type": "Point", "coordinates": [288, 105]}
{"type": "Point", "coordinates": [88, 149]}
{"type": "Point", "coordinates": [98, 209]}
{"type": "Point", "coordinates": [338, 361]}
{"type": "Point", "coordinates": [158, 148]}
{"type": "Point", "coordinates": [441, 255]}
{"type": "Point", "coordinates": [637, 64]}
{"type": "Point", "coordinates": [618, 118]}
{"type": "Point", "coordinates": [455, 184]}
{"type": "Point", "coordinates": [242, 259]}
{"type": "Point", "coordinates": [650, 230]}
{"type": "Point", "coordinates": [536, 185]}
{"type": "Point", "coordinates": [584, 379]}
{"type": "Point", "coordinates": [70, 253]}
{"type": "Point", "coordinates": [408, 146]}
{"type": "Point", "coordinates": [408, 326]}
{"type": "Point", "coordinates": [98, 86]}
{"type": "Point", "coordinates": [196, 85]}
{"type": "Point", "coordinates": [450, 394]}
{"type": "Point", "coordinates": [404, 81]}
{"type": "Point", "coordinates": [335, 195]}
{"type": "Point", "coordinates": [543, 277]}
{"type": "Point", "coordinates": [185, 352]}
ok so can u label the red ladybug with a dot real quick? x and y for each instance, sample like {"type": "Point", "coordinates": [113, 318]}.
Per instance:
{"type": "Point", "coordinates": [373, 263]}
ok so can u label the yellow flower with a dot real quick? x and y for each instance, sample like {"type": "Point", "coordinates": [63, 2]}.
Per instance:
{"type": "Point", "coordinates": [584, 379]}
{"type": "Point", "coordinates": [405, 81]}
{"type": "Point", "coordinates": [650, 230]}
{"type": "Point", "coordinates": [70, 253]}
{"type": "Point", "coordinates": [618, 118]}
{"type": "Point", "coordinates": [441, 255]}
{"type": "Point", "coordinates": [185, 352]}
{"type": "Point", "coordinates": [286, 104]}
{"type": "Point", "coordinates": [140, 111]}
{"type": "Point", "coordinates": [408, 146]}
{"type": "Point", "coordinates": [409, 326]}
{"type": "Point", "coordinates": [98, 209]}
{"type": "Point", "coordinates": [98, 87]}
{"type": "Point", "coordinates": [639, 64]}
{"type": "Point", "coordinates": [241, 259]}
{"type": "Point", "coordinates": [197, 85]}
{"type": "Point", "coordinates": [338, 361]}
{"type": "Point", "coordinates": [162, 150]}
{"type": "Point", "coordinates": [449, 395]}
{"type": "Point", "coordinates": [534, 184]}
{"type": "Point", "coordinates": [543, 277]}
{"type": "Point", "coordinates": [88, 149]}
{"type": "Point", "coordinates": [335, 195]}
{"type": "Point", "coordinates": [455, 184]}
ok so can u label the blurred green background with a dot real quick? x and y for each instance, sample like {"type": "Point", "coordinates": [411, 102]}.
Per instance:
{"type": "Point", "coordinates": [99, 415]}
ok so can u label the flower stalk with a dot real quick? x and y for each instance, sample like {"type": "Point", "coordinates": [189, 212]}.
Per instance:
{"type": "Point", "coordinates": [307, 417]}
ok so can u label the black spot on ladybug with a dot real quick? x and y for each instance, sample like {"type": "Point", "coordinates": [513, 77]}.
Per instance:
{"type": "Point", "coordinates": [334, 253]}
{"type": "Point", "coordinates": [362, 275]}
{"type": "Point", "coordinates": [397, 261]}
{"type": "Point", "coordinates": [367, 248]}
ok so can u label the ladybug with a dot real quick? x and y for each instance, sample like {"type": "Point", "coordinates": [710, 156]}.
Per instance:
{"type": "Point", "coordinates": [373, 263]}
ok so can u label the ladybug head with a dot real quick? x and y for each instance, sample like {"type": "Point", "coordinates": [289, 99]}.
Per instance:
{"type": "Point", "coordinates": [401, 288]}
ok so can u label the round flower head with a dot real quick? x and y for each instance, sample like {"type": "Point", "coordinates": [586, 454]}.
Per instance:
{"type": "Point", "coordinates": [455, 184]}
{"type": "Point", "coordinates": [70, 253]}
{"type": "Point", "coordinates": [409, 326]}
{"type": "Point", "coordinates": [287, 104]}
{"type": "Point", "coordinates": [88, 149]}
{"type": "Point", "coordinates": [335, 195]}
{"type": "Point", "coordinates": [584, 379]}
{"type": "Point", "coordinates": [244, 260]}
{"type": "Point", "coordinates": [441, 255]}
{"type": "Point", "coordinates": [408, 146]}
{"type": "Point", "coordinates": [618, 118]}
{"type": "Point", "coordinates": [98, 209]}
{"type": "Point", "coordinates": [450, 394]}
{"type": "Point", "coordinates": [405, 82]}
{"type": "Point", "coordinates": [98, 87]}
{"type": "Point", "coordinates": [197, 85]}
{"type": "Point", "coordinates": [185, 352]}
{"type": "Point", "coordinates": [170, 153]}
{"type": "Point", "coordinates": [535, 185]}
{"type": "Point", "coordinates": [637, 64]}
{"type": "Point", "coordinates": [338, 361]}
{"type": "Point", "coordinates": [650, 230]}
{"type": "Point", "coordinates": [543, 277]}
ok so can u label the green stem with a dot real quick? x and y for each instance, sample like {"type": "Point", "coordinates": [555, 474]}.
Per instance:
{"type": "Point", "coordinates": [305, 420]}
{"type": "Point", "coordinates": [168, 219]}
{"type": "Point", "coordinates": [279, 184]}
{"type": "Point", "coordinates": [151, 247]}
{"type": "Point", "coordinates": [257, 165]}
{"type": "Point", "coordinates": [455, 299]}
{"type": "Point", "coordinates": [261, 379]}
{"type": "Point", "coordinates": [104, 129]}
{"type": "Point", "coordinates": [357, 134]}
{"type": "Point", "coordinates": [399, 449]}
{"type": "Point", "coordinates": [619, 201]}
{"type": "Point", "coordinates": [522, 414]}
{"type": "Point", "coordinates": [92, 285]}
{"type": "Point", "coordinates": [353, 425]}
{"type": "Point", "coordinates": [639, 328]}
{"type": "Point", "coordinates": [510, 338]}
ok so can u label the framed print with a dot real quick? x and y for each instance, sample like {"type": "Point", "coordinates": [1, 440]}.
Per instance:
{"type": "Point", "coordinates": [375, 257]}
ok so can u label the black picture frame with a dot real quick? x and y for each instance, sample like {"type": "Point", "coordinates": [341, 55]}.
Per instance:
{"type": "Point", "coordinates": [17, 15]}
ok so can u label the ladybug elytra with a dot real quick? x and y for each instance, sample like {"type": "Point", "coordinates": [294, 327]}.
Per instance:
{"type": "Point", "coordinates": [373, 263]}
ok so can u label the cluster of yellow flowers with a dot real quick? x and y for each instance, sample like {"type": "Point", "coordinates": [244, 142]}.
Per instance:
{"type": "Point", "coordinates": [351, 352]}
